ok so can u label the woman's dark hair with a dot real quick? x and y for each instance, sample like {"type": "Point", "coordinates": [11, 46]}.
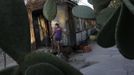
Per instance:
{"type": "Point", "coordinates": [57, 24]}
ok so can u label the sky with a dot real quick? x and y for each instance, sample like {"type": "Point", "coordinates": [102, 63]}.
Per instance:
{"type": "Point", "coordinates": [85, 2]}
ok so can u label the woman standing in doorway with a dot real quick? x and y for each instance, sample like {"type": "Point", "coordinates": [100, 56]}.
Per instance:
{"type": "Point", "coordinates": [57, 36]}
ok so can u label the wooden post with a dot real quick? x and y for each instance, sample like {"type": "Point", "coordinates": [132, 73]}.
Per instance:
{"type": "Point", "coordinates": [72, 37]}
{"type": "Point", "coordinates": [33, 42]}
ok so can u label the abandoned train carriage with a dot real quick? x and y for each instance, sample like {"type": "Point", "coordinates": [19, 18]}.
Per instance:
{"type": "Point", "coordinates": [40, 27]}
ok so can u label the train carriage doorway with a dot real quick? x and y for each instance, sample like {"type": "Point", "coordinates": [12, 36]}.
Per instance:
{"type": "Point", "coordinates": [41, 29]}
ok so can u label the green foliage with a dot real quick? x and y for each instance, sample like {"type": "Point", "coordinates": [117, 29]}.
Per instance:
{"type": "Point", "coordinates": [117, 27]}
{"type": "Point", "coordinates": [106, 37]}
{"type": "Point", "coordinates": [14, 30]}
{"type": "Point", "coordinates": [124, 33]}
{"type": "Point", "coordinates": [43, 69]}
{"type": "Point", "coordinates": [35, 58]}
{"type": "Point", "coordinates": [129, 4]}
{"type": "Point", "coordinates": [50, 9]}
{"type": "Point", "coordinates": [104, 16]}
{"type": "Point", "coordinates": [83, 12]}
{"type": "Point", "coordinates": [115, 3]}
{"type": "Point", "coordinates": [100, 4]}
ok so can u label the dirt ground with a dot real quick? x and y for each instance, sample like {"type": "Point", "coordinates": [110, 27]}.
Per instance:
{"type": "Point", "coordinates": [10, 62]}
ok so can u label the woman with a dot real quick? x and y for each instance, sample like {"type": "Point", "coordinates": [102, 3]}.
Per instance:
{"type": "Point", "coordinates": [57, 36]}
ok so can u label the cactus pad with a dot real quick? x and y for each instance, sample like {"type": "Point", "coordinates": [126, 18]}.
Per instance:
{"type": "Point", "coordinates": [106, 37]}
{"type": "Point", "coordinates": [35, 58]}
{"type": "Point", "coordinates": [43, 69]}
{"type": "Point", "coordinates": [129, 4]}
{"type": "Point", "coordinates": [14, 30]}
{"type": "Point", "coordinates": [50, 9]}
{"type": "Point", "coordinates": [100, 4]}
{"type": "Point", "coordinates": [124, 33]}
{"type": "Point", "coordinates": [82, 11]}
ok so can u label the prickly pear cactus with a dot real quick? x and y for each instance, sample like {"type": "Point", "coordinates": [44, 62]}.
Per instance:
{"type": "Point", "coordinates": [106, 38]}
{"type": "Point", "coordinates": [50, 9]}
{"type": "Point", "coordinates": [130, 5]}
{"type": "Point", "coordinates": [43, 69]}
{"type": "Point", "coordinates": [100, 4]}
{"type": "Point", "coordinates": [36, 58]}
{"type": "Point", "coordinates": [14, 30]}
{"type": "Point", "coordinates": [104, 16]}
{"type": "Point", "coordinates": [118, 27]}
{"type": "Point", "coordinates": [124, 32]}
{"type": "Point", "coordinates": [82, 11]}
